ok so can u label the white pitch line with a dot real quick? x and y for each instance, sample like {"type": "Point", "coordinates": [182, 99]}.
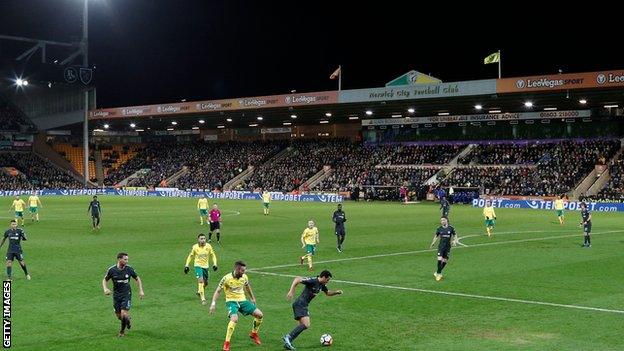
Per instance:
{"type": "Point", "coordinates": [473, 296]}
{"type": "Point", "coordinates": [431, 250]}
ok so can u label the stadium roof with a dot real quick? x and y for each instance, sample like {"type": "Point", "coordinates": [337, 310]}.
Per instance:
{"type": "Point", "coordinates": [561, 92]}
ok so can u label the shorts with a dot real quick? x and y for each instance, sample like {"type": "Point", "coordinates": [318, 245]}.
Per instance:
{"type": "Point", "coordinates": [489, 222]}
{"type": "Point", "coordinates": [244, 307]}
{"type": "Point", "coordinates": [122, 303]}
{"type": "Point", "coordinates": [444, 252]}
{"type": "Point", "coordinates": [201, 273]}
{"type": "Point", "coordinates": [559, 213]}
{"type": "Point", "coordinates": [10, 256]}
{"type": "Point", "coordinates": [265, 204]}
{"type": "Point", "coordinates": [587, 228]}
{"type": "Point", "coordinates": [95, 215]}
{"type": "Point", "coordinates": [340, 231]}
{"type": "Point", "coordinates": [311, 249]}
{"type": "Point", "coordinates": [33, 209]}
{"type": "Point", "coordinates": [19, 214]}
{"type": "Point", "coordinates": [300, 310]}
{"type": "Point", "coordinates": [203, 212]}
{"type": "Point", "coordinates": [214, 226]}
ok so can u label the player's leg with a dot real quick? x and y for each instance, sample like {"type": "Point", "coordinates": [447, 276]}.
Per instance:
{"type": "Point", "coordinates": [218, 231]}
{"type": "Point", "coordinates": [257, 314]}
{"type": "Point", "coordinates": [342, 239]}
{"type": "Point", "coordinates": [310, 250]}
{"type": "Point", "coordinates": [93, 221]}
{"type": "Point", "coordinates": [9, 266]}
{"type": "Point", "coordinates": [97, 225]}
{"type": "Point", "coordinates": [23, 265]}
{"type": "Point", "coordinates": [338, 241]}
{"type": "Point", "coordinates": [201, 275]}
{"type": "Point", "coordinates": [125, 321]}
{"type": "Point", "coordinates": [233, 313]}
{"type": "Point", "coordinates": [304, 323]}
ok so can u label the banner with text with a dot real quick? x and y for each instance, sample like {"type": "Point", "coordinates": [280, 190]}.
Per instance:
{"type": "Point", "coordinates": [195, 107]}
{"type": "Point", "coordinates": [226, 195]}
{"type": "Point", "coordinates": [477, 118]}
{"type": "Point", "coordinates": [550, 205]}
{"type": "Point", "coordinates": [422, 91]}
{"type": "Point", "coordinates": [601, 79]}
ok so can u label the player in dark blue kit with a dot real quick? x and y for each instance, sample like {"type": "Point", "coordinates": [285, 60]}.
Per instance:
{"type": "Point", "coordinates": [448, 237]}
{"type": "Point", "coordinates": [120, 274]}
{"type": "Point", "coordinates": [313, 286]}
{"type": "Point", "coordinates": [15, 236]}
{"type": "Point", "coordinates": [339, 218]}
{"type": "Point", "coordinates": [445, 207]}
{"type": "Point", "coordinates": [587, 224]}
{"type": "Point", "coordinates": [96, 211]}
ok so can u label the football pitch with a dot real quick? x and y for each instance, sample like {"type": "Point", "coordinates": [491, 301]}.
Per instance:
{"type": "Point", "coordinates": [529, 287]}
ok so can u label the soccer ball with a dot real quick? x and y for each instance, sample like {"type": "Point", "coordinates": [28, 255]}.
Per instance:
{"type": "Point", "coordinates": [326, 340]}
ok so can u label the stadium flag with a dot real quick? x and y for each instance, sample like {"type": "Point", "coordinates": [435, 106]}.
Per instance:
{"type": "Point", "coordinates": [337, 74]}
{"type": "Point", "coordinates": [494, 58]}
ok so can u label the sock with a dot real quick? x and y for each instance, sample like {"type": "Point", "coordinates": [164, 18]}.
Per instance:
{"type": "Point", "coordinates": [98, 221]}
{"type": "Point", "coordinates": [439, 267]}
{"type": "Point", "coordinates": [24, 269]}
{"type": "Point", "coordinates": [124, 322]}
{"type": "Point", "coordinates": [93, 222]}
{"type": "Point", "coordinates": [296, 331]}
{"type": "Point", "coordinates": [218, 236]}
{"type": "Point", "coordinates": [9, 272]}
{"type": "Point", "coordinates": [256, 325]}
{"type": "Point", "coordinates": [309, 260]}
{"type": "Point", "coordinates": [342, 238]}
{"type": "Point", "coordinates": [230, 330]}
{"type": "Point", "coordinates": [209, 235]}
{"type": "Point", "coordinates": [588, 240]}
{"type": "Point", "coordinates": [338, 241]}
{"type": "Point", "coordinates": [443, 265]}
{"type": "Point", "coordinates": [200, 289]}
{"type": "Point", "coordinates": [201, 220]}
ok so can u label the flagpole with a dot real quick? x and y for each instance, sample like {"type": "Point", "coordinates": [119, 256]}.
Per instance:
{"type": "Point", "coordinates": [499, 64]}
{"type": "Point", "coordinates": [339, 77]}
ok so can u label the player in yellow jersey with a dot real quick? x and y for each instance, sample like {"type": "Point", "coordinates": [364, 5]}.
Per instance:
{"type": "Point", "coordinates": [490, 217]}
{"type": "Point", "coordinates": [203, 253]}
{"type": "Point", "coordinates": [266, 201]}
{"type": "Point", "coordinates": [309, 239]}
{"type": "Point", "coordinates": [202, 207]}
{"type": "Point", "coordinates": [34, 204]}
{"type": "Point", "coordinates": [235, 285]}
{"type": "Point", "coordinates": [18, 205]}
{"type": "Point", "coordinates": [559, 205]}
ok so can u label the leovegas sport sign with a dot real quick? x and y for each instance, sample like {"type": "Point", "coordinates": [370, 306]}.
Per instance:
{"type": "Point", "coordinates": [302, 99]}
{"type": "Point", "coordinates": [588, 80]}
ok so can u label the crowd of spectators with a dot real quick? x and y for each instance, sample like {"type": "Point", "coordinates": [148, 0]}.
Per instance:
{"type": "Point", "coordinates": [26, 171]}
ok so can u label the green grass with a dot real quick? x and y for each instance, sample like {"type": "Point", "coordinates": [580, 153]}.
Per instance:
{"type": "Point", "coordinates": [63, 307]}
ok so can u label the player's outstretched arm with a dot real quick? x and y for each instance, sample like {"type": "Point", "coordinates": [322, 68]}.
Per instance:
{"type": "Point", "coordinates": [3, 240]}
{"type": "Point", "coordinates": [334, 293]}
{"type": "Point", "coordinates": [455, 240]}
{"type": "Point", "coordinates": [291, 291]}
{"type": "Point", "coordinates": [140, 284]}
{"type": "Point", "coordinates": [215, 296]}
